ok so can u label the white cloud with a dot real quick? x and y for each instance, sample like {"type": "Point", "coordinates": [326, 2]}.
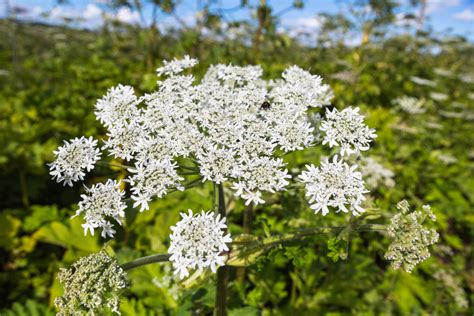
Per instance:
{"type": "Point", "coordinates": [126, 15]}
{"type": "Point", "coordinates": [306, 22]}
{"type": "Point", "coordinates": [465, 15]}
{"type": "Point", "coordinates": [438, 5]}
{"type": "Point", "coordinates": [92, 12]}
{"type": "Point", "coordinates": [303, 25]}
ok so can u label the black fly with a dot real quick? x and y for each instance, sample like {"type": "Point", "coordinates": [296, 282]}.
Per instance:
{"type": "Point", "coordinates": [265, 105]}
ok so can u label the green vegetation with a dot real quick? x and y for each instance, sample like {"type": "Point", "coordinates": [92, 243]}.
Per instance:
{"type": "Point", "coordinates": [50, 78]}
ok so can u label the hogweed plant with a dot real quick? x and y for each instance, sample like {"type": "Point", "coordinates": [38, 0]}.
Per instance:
{"type": "Point", "coordinates": [232, 129]}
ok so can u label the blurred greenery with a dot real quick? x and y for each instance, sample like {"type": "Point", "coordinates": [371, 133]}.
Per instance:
{"type": "Point", "coordinates": [50, 77]}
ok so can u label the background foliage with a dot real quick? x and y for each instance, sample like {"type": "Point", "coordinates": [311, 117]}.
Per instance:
{"type": "Point", "coordinates": [51, 76]}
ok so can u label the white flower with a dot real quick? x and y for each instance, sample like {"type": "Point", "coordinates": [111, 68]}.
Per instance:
{"type": "Point", "coordinates": [102, 201]}
{"type": "Point", "coordinates": [176, 66]}
{"type": "Point", "coordinates": [411, 105]}
{"type": "Point", "coordinates": [375, 173]}
{"type": "Point", "coordinates": [259, 174]}
{"type": "Point", "coordinates": [410, 238]}
{"type": "Point", "coordinates": [334, 184]}
{"type": "Point", "coordinates": [347, 130]}
{"type": "Point", "coordinates": [231, 123]}
{"type": "Point", "coordinates": [294, 136]}
{"type": "Point", "coordinates": [197, 242]}
{"type": "Point", "coordinates": [73, 159]}
{"type": "Point", "coordinates": [216, 164]}
{"type": "Point", "coordinates": [422, 81]}
{"type": "Point", "coordinates": [153, 179]}
{"type": "Point", "coordinates": [117, 107]}
{"type": "Point", "coordinates": [438, 96]}
{"type": "Point", "coordinates": [123, 140]}
{"type": "Point", "coordinates": [307, 87]}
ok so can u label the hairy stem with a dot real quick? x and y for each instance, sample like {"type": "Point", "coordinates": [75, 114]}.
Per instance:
{"type": "Point", "coordinates": [145, 260]}
{"type": "Point", "coordinates": [223, 272]}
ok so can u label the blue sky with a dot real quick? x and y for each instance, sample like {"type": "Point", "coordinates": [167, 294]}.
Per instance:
{"type": "Point", "coordinates": [456, 15]}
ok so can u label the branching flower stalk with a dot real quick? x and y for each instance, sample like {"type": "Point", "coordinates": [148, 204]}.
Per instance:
{"type": "Point", "coordinates": [233, 128]}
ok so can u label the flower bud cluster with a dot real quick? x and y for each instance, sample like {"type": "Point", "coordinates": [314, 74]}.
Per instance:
{"type": "Point", "coordinates": [410, 238]}
{"type": "Point", "coordinates": [91, 285]}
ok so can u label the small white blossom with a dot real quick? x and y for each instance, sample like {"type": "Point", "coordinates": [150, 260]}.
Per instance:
{"type": "Point", "coordinates": [91, 286]}
{"type": "Point", "coordinates": [411, 105]}
{"type": "Point", "coordinates": [73, 159]}
{"type": "Point", "coordinates": [347, 130]}
{"type": "Point", "coordinates": [422, 81]}
{"type": "Point", "coordinates": [453, 287]}
{"type": "Point", "coordinates": [123, 140]}
{"type": "Point", "coordinates": [102, 201]}
{"type": "Point", "coordinates": [216, 164]}
{"type": "Point", "coordinates": [376, 174]}
{"type": "Point", "coordinates": [257, 175]}
{"type": "Point", "coordinates": [176, 66]}
{"type": "Point", "coordinates": [153, 179]}
{"type": "Point", "coordinates": [117, 107]}
{"type": "Point", "coordinates": [197, 242]}
{"type": "Point", "coordinates": [410, 238]}
{"type": "Point", "coordinates": [334, 184]}
{"type": "Point", "coordinates": [307, 87]}
{"type": "Point", "coordinates": [438, 96]}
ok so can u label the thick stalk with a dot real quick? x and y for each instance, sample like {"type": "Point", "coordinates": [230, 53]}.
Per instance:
{"type": "Point", "coordinates": [145, 260]}
{"type": "Point", "coordinates": [223, 272]}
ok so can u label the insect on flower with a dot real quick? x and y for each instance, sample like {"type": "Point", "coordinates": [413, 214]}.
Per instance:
{"type": "Point", "coordinates": [265, 105]}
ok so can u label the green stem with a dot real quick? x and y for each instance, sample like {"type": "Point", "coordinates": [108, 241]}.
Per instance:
{"type": "Point", "coordinates": [113, 164]}
{"type": "Point", "coordinates": [189, 168]}
{"type": "Point", "coordinates": [145, 260]}
{"type": "Point", "coordinates": [258, 246]}
{"type": "Point", "coordinates": [220, 308]}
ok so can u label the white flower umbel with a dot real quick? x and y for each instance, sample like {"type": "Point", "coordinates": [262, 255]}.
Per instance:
{"type": "Point", "coordinates": [123, 140]}
{"type": "Point", "coordinates": [91, 286]}
{"type": "Point", "coordinates": [117, 107]}
{"type": "Point", "coordinates": [410, 238]}
{"type": "Point", "coordinates": [334, 184]}
{"type": "Point", "coordinates": [216, 164]}
{"type": "Point", "coordinates": [347, 130]}
{"type": "Point", "coordinates": [376, 174]}
{"type": "Point", "coordinates": [100, 203]}
{"type": "Point", "coordinates": [257, 175]}
{"type": "Point", "coordinates": [197, 242]}
{"type": "Point", "coordinates": [230, 123]}
{"type": "Point", "coordinates": [176, 66]}
{"type": "Point", "coordinates": [73, 159]}
{"type": "Point", "coordinates": [410, 104]}
{"type": "Point", "coordinates": [153, 179]}
{"type": "Point", "coordinates": [308, 88]}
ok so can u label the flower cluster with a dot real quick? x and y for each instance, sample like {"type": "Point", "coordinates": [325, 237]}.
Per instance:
{"type": "Point", "coordinates": [197, 242]}
{"type": "Point", "coordinates": [176, 66]}
{"type": "Point", "coordinates": [453, 287]}
{"type": "Point", "coordinates": [347, 130]}
{"type": "Point", "coordinates": [153, 179]}
{"type": "Point", "coordinates": [231, 124]}
{"type": "Point", "coordinates": [73, 159]}
{"type": "Point", "coordinates": [101, 202]}
{"type": "Point", "coordinates": [92, 284]}
{"type": "Point", "coordinates": [410, 239]}
{"type": "Point", "coordinates": [334, 184]}
{"type": "Point", "coordinates": [376, 174]}
{"type": "Point", "coordinates": [411, 105]}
